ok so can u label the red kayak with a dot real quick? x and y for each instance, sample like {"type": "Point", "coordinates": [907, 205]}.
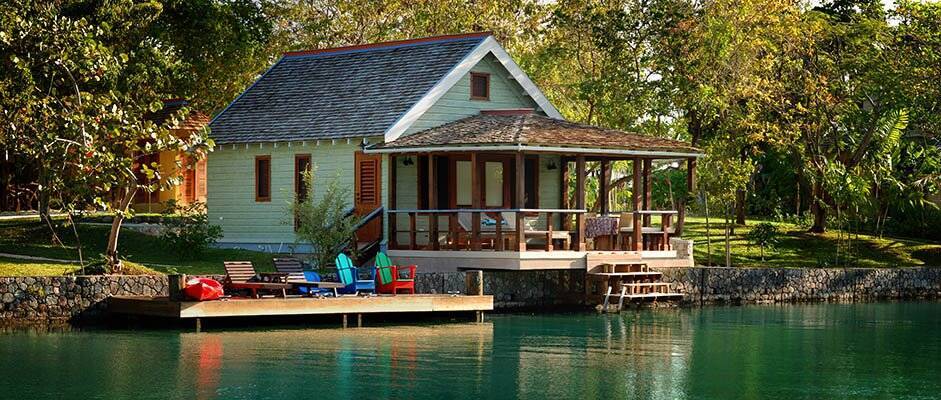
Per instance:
{"type": "Point", "coordinates": [202, 289]}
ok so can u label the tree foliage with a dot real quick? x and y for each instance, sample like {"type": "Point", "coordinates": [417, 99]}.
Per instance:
{"type": "Point", "coordinates": [79, 81]}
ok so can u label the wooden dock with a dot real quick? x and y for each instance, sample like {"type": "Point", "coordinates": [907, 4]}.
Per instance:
{"type": "Point", "coordinates": [293, 306]}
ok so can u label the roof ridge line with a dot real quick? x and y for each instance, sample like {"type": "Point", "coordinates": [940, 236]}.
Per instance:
{"type": "Point", "coordinates": [387, 44]}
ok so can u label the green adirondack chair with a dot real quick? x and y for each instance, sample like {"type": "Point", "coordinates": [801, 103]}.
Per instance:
{"type": "Point", "coordinates": [387, 275]}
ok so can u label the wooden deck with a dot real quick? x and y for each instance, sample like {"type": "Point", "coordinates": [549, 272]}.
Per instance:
{"type": "Point", "coordinates": [449, 260]}
{"type": "Point", "coordinates": [244, 307]}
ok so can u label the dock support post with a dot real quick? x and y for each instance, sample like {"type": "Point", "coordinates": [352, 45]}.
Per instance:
{"type": "Point", "coordinates": [479, 316]}
{"type": "Point", "coordinates": [359, 320]}
{"type": "Point", "coordinates": [176, 282]}
{"type": "Point", "coordinates": [474, 283]}
{"type": "Point", "coordinates": [199, 325]}
{"type": "Point", "coordinates": [344, 321]}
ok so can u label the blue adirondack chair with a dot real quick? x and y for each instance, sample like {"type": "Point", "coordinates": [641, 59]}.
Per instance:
{"type": "Point", "coordinates": [311, 276]}
{"type": "Point", "coordinates": [349, 276]}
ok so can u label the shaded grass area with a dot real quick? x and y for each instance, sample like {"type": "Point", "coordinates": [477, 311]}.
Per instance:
{"type": "Point", "coordinates": [34, 239]}
{"type": "Point", "coordinates": [798, 248]}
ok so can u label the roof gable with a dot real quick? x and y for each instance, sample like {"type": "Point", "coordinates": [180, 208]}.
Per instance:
{"type": "Point", "coordinates": [488, 46]}
{"type": "Point", "coordinates": [456, 103]}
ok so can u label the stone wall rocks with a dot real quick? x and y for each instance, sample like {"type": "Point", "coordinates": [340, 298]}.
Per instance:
{"type": "Point", "coordinates": [770, 285]}
{"type": "Point", "coordinates": [83, 297]}
{"type": "Point", "coordinates": [70, 297]}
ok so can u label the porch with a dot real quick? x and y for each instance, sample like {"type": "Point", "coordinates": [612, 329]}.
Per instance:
{"type": "Point", "coordinates": [456, 201]}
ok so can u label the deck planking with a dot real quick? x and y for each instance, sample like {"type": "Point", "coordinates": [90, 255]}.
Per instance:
{"type": "Point", "coordinates": [244, 307]}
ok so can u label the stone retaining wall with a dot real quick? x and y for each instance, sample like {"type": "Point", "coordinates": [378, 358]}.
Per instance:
{"type": "Point", "coordinates": [514, 289]}
{"type": "Point", "coordinates": [70, 297]}
{"type": "Point", "coordinates": [767, 285]}
{"type": "Point", "coordinates": [66, 297]}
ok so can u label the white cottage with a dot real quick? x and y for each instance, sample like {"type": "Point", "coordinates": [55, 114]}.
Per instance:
{"type": "Point", "coordinates": [456, 158]}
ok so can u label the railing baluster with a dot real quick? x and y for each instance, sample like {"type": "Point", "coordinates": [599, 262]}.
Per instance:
{"type": "Point", "coordinates": [412, 234]}
{"type": "Point", "coordinates": [549, 246]}
{"type": "Point", "coordinates": [393, 232]}
{"type": "Point", "coordinates": [433, 231]}
{"type": "Point", "coordinates": [499, 228]}
{"type": "Point", "coordinates": [453, 233]}
{"type": "Point", "coordinates": [665, 224]}
{"type": "Point", "coordinates": [475, 231]}
{"type": "Point", "coordinates": [520, 232]}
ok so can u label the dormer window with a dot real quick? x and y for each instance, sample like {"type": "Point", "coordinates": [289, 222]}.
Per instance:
{"type": "Point", "coordinates": [480, 86]}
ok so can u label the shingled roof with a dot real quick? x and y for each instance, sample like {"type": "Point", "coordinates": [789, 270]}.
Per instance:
{"type": "Point", "coordinates": [195, 120]}
{"type": "Point", "coordinates": [340, 93]}
{"type": "Point", "coordinates": [534, 131]}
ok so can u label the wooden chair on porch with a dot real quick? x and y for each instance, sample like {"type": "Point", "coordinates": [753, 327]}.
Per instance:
{"type": "Point", "coordinates": [488, 229]}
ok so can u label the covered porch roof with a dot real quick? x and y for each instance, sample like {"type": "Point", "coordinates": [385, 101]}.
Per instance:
{"type": "Point", "coordinates": [517, 130]}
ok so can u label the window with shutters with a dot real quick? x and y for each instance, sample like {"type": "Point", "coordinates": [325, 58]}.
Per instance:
{"type": "Point", "coordinates": [368, 186]}
{"type": "Point", "coordinates": [189, 184]}
{"type": "Point", "coordinates": [201, 180]}
{"type": "Point", "coordinates": [262, 178]}
{"type": "Point", "coordinates": [480, 86]}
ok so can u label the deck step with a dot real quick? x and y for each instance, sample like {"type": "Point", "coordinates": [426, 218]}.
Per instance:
{"type": "Point", "coordinates": [645, 284]}
{"type": "Point", "coordinates": [651, 274]}
{"type": "Point", "coordinates": [653, 295]}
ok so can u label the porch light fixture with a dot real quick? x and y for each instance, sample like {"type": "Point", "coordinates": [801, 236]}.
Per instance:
{"type": "Point", "coordinates": [551, 166]}
{"type": "Point", "coordinates": [407, 161]}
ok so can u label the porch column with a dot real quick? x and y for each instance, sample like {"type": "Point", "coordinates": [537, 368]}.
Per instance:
{"type": "Point", "coordinates": [580, 203]}
{"type": "Point", "coordinates": [432, 202]}
{"type": "Point", "coordinates": [564, 193]}
{"type": "Point", "coordinates": [475, 202]}
{"type": "Point", "coordinates": [393, 242]}
{"type": "Point", "coordinates": [520, 200]}
{"type": "Point", "coordinates": [603, 182]}
{"type": "Point", "coordinates": [647, 190]}
{"type": "Point", "coordinates": [638, 205]}
{"type": "Point", "coordinates": [690, 193]}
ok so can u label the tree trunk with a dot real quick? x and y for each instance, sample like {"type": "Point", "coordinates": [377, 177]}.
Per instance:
{"type": "Point", "coordinates": [705, 198]}
{"type": "Point", "coordinates": [819, 212]}
{"type": "Point", "coordinates": [739, 207]}
{"type": "Point", "coordinates": [114, 262]}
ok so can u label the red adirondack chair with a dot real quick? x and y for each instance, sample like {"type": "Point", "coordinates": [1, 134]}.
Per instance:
{"type": "Point", "coordinates": [389, 280]}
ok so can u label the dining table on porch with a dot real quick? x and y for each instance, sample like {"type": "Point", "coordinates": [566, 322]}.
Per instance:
{"type": "Point", "coordinates": [603, 230]}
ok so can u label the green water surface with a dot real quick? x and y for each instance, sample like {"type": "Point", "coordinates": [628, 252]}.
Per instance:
{"type": "Point", "coordinates": [888, 351]}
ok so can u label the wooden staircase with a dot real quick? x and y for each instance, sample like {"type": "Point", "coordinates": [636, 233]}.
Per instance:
{"type": "Point", "coordinates": [631, 281]}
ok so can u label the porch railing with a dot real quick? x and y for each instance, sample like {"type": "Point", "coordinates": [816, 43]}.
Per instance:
{"type": "Point", "coordinates": [648, 237]}
{"type": "Point", "coordinates": [463, 229]}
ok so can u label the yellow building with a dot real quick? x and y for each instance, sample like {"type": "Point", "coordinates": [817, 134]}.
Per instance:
{"type": "Point", "coordinates": [193, 187]}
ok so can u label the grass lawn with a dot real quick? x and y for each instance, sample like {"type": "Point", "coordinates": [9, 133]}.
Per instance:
{"type": "Point", "coordinates": [797, 248]}
{"type": "Point", "coordinates": [33, 239]}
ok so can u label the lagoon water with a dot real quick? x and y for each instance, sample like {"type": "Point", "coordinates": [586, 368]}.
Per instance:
{"type": "Point", "coordinates": [888, 350]}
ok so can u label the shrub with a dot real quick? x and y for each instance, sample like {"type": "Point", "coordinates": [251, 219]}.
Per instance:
{"type": "Point", "coordinates": [187, 231]}
{"type": "Point", "coordinates": [765, 235]}
{"type": "Point", "coordinates": [325, 223]}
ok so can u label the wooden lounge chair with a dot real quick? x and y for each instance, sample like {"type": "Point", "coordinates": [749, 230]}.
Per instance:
{"type": "Point", "coordinates": [349, 276]}
{"type": "Point", "coordinates": [303, 281]}
{"type": "Point", "coordinates": [389, 279]}
{"type": "Point", "coordinates": [238, 274]}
